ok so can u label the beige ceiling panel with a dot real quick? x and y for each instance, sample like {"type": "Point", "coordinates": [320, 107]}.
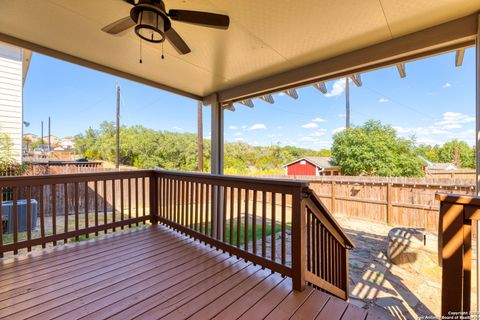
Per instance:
{"type": "Point", "coordinates": [310, 30]}
{"type": "Point", "coordinates": [408, 16]}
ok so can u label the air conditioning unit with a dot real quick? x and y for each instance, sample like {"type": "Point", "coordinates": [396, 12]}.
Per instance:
{"type": "Point", "coordinates": [7, 215]}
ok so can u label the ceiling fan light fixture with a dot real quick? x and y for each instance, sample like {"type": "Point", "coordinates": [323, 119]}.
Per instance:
{"type": "Point", "coordinates": [150, 25]}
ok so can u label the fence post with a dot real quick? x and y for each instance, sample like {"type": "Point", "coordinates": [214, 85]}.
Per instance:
{"type": "Point", "coordinates": [153, 197]}
{"type": "Point", "coordinates": [299, 250]}
{"type": "Point", "coordinates": [389, 204]}
{"type": "Point", "coordinates": [333, 197]}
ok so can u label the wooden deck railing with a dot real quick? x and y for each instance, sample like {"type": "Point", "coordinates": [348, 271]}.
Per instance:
{"type": "Point", "coordinates": [457, 212]}
{"type": "Point", "coordinates": [327, 249]}
{"type": "Point", "coordinates": [70, 206]}
{"type": "Point", "coordinates": [278, 224]}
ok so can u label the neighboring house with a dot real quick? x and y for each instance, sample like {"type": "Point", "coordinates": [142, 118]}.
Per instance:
{"type": "Point", "coordinates": [67, 143]}
{"type": "Point", "coordinates": [312, 166]}
{"type": "Point", "coordinates": [431, 167]}
{"type": "Point", "coordinates": [14, 64]}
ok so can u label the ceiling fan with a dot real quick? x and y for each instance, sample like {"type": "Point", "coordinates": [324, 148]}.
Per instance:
{"type": "Point", "coordinates": [152, 22]}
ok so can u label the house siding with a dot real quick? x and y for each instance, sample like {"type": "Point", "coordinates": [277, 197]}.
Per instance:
{"type": "Point", "coordinates": [11, 96]}
{"type": "Point", "coordinates": [299, 169]}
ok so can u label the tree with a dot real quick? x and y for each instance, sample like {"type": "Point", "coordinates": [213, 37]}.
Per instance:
{"type": "Point", "coordinates": [458, 153]}
{"type": "Point", "coordinates": [375, 149]}
{"type": "Point", "coordinates": [6, 149]}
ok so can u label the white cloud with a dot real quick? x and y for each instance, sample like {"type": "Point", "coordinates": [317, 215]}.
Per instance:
{"type": "Point", "coordinates": [337, 130]}
{"type": "Point", "coordinates": [318, 133]}
{"type": "Point", "coordinates": [310, 125]}
{"type": "Point", "coordinates": [341, 115]}
{"type": "Point", "coordinates": [337, 88]}
{"type": "Point", "coordinates": [383, 100]}
{"type": "Point", "coordinates": [454, 118]}
{"type": "Point", "coordinates": [452, 126]}
{"type": "Point", "coordinates": [446, 85]}
{"type": "Point", "coordinates": [237, 134]}
{"type": "Point", "coordinates": [177, 128]}
{"type": "Point", "coordinates": [318, 120]}
{"type": "Point", "coordinates": [279, 127]}
{"type": "Point", "coordinates": [232, 128]}
{"type": "Point", "coordinates": [257, 126]}
{"type": "Point", "coordinates": [239, 139]}
{"type": "Point", "coordinates": [244, 127]}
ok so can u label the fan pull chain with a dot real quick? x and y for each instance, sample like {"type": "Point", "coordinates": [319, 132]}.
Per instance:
{"type": "Point", "coordinates": [140, 61]}
{"type": "Point", "coordinates": [162, 50]}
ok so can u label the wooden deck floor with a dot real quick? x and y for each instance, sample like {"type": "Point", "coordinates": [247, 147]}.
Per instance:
{"type": "Point", "coordinates": [154, 273]}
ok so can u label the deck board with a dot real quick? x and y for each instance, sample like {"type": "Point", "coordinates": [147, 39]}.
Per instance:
{"type": "Point", "coordinates": [154, 273]}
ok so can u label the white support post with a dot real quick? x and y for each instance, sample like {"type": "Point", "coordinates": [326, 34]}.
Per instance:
{"type": "Point", "coordinates": [477, 147]}
{"type": "Point", "coordinates": [216, 166]}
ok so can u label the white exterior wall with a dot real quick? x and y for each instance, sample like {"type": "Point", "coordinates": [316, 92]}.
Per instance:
{"type": "Point", "coordinates": [11, 96]}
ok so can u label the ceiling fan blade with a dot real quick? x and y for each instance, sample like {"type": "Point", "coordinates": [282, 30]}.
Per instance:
{"type": "Point", "coordinates": [207, 19]}
{"type": "Point", "coordinates": [177, 41]}
{"type": "Point", "coordinates": [119, 25]}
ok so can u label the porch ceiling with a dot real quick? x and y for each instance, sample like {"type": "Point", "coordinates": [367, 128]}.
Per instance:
{"type": "Point", "coordinates": [265, 38]}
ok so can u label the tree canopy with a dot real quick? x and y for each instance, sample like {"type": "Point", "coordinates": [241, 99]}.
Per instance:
{"type": "Point", "coordinates": [375, 149]}
{"type": "Point", "coordinates": [147, 148]}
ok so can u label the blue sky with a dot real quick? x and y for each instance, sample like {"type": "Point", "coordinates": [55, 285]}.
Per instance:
{"type": "Point", "coordinates": [435, 102]}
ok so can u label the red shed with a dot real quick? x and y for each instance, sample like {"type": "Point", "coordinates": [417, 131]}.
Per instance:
{"type": "Point", "coordinates": [312, 166]}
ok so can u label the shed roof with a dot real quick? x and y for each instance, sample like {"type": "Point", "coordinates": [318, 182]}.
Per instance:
{"type": "Point", "coordinates": [320, 162]}
{"type": "Point", "coordinates": [270, 43]}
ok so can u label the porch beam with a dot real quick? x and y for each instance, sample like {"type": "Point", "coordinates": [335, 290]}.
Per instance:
{"type": "Point", "coordinates": [321, 87]}
{"type": "Point", "coordinates": [401, 70]}
{"type": "Point", "coordinates": [92, 65]}
{"type": "Point", "coordinates": [459, 54]}
{"type": "Point", "coordinates": [356, 79]}
{"type": "Point", "coordinates": [452, 35]}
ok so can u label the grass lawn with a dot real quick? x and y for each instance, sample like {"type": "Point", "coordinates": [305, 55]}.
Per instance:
{"type": "Point", "coordinates": [258, 231]}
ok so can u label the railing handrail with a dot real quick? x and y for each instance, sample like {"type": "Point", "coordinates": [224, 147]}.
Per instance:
{"type": "Point", "coordinates": [11, 181]}
{"type": "Point", "coordinates": [331, 219]}
{"type": "Point", "coordinates": [229, 178]}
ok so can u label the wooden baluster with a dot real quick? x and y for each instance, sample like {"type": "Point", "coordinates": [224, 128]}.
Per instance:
{"type": "Point", "coordinates": [65, 212]}
{"type": "Point", "coordinates": [232, 200]}
{"type": "Point", "coordinates": [87, 223]}
{"type": "Point", "coordinates": [207, 209]}
{"type": "Point", "coordinates": [254, 222]}
{"type": "Point", "coordinates": [29, 217]}
{"type": "Point", "coordinates": [95, 189]}
{"type": "Point", "coordinates": [245, 238]}
{"type": "Point", "coordinates": [76, 210]}
{"type": "Point", "coordinates": [15, 218]}
{"type": "Point", "coordinates": [53, 189]}
{"type": "Point", "coordinates": [42, 216]}
{"type": "Point", "coordinates": [129, 201]}
{"type": "Point", "coordinates": [239, 214]}
{"type": "Point", "coordinates": [136, 200]}
{"type": "Point", "coordinates": [114, 200]}
{"type": "Point", "coordinates": [274, 224]}
{"type": "Point", "coordinates": [196, 206]}
{"type": "Point", "coordinates": [170, 211]}
{"type": "Point", "coordinates": [201, 208]}
{"type": "Point", "coordinates": [224, 214]}
{"type": "Point", "coordinates": [309, 243]}
{"type": "Point", "coordinates": [144, 213]}
{"type": "Point", "coordinates": [191, 205]}
{"type": "Point", "coordinates": [264, 224]}
{"type": "Point", "coordinates": [1, 222]}
{"type": "Point", "coordinates": [122, 202]}
{"type": "Point", "coordinates": [284, 228]}
{"type": "Point", "coordinates": [105, 202]}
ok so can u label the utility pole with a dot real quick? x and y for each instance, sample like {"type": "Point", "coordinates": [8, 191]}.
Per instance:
{"type": "Point", "coordinates": [347, 103]}
{"type": "Point", "coordinates": [117, 157]}
{"type": "Point", "coordinates": [200, 136]}
{"type": "Point", "coordinates": [49, 135]}
{"type": "Point", "coordinates": [42, 134]}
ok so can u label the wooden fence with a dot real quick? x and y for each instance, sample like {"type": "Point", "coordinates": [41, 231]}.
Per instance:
{"type": "Point", "coordinates": [396, 201]}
